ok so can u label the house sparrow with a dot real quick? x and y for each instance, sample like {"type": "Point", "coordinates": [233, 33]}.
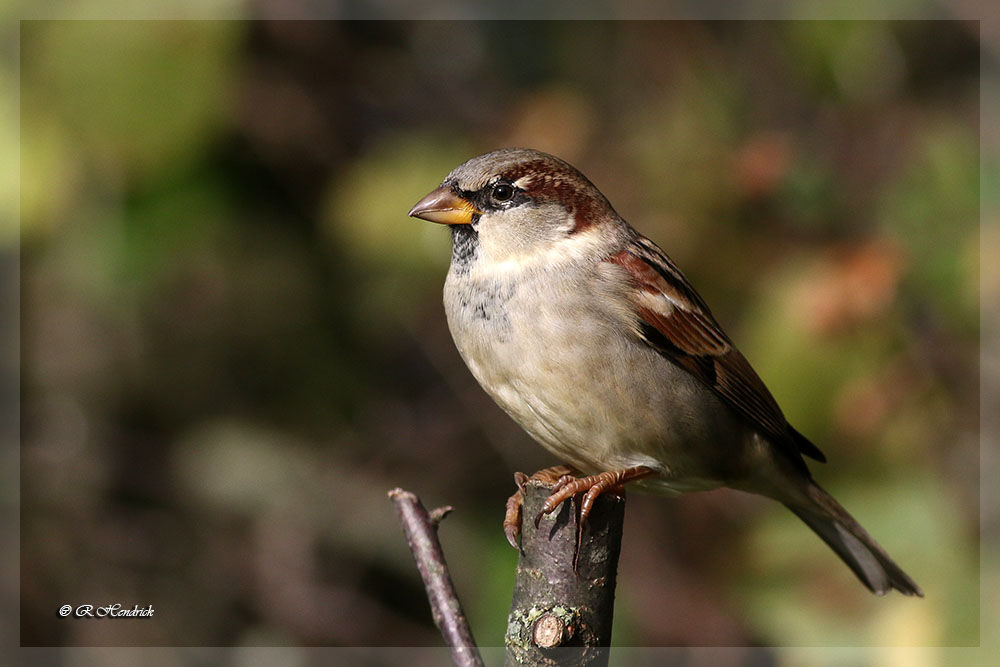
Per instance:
{"type": "Point", "coordinates": [590, 338]}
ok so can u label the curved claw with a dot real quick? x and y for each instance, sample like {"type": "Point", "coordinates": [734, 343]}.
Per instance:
{"type": "Point", "coordinates": [513, 532]}
{"type": "Point", "coordinates": [512, 516]}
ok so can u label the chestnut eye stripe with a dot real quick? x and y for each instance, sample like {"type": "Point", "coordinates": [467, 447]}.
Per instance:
{"type": "Point", "coordinates": [497, 195]}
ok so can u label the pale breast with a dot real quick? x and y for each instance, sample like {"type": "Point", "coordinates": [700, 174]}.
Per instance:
{"type": "Point", "coordinates": [568, 370]}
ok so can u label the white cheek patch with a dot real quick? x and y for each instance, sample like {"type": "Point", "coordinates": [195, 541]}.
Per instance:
{"type": "Point", "coordinates": [532, 249]}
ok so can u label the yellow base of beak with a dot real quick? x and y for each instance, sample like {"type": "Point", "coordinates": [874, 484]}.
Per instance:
{"type": "Point", "coordinates": [444, 207]}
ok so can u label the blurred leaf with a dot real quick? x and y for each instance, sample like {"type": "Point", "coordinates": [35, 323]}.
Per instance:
{"type": "Point", "coordinates": [789, 340]}
{"type": "Point", "coordinates": [9, 181]}
{"type": "Point", "coordinates": [932, 207]}
{"type": "Point", "coordinates": [163, 227]}
{"type": "Point", "coordinates": [683, 142]}
{"type": "Point", "coordinates": [51, 177]}
{"type": "Point", "coordinates": [808, 194]}
{"type": "Point", "coordinates": [143, 95]}
{"type": "Point", "coordinates": [860, 61]}
{"type": "Point", "coordinates": [394, 257]}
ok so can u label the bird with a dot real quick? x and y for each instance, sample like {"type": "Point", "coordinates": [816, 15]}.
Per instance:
{"type": "Point", "coordinates": [589, 336]}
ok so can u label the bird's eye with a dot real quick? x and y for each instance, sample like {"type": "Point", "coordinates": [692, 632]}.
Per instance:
{"type": "Point", "coordinates": [502, 192]}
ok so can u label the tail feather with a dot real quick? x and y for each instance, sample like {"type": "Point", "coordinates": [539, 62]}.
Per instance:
{"type": "Point", "coordinates": [853, 544]}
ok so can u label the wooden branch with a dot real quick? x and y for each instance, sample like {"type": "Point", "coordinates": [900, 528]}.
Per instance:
{"type": "Point", "coordinates": [560, 616]}
{"type": "Point", "coordinates": [421, 534]}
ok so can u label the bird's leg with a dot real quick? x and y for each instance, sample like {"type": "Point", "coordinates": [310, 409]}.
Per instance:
{"type": "Point", "coordinates": [594, 485]}
{"type": "Point", "coordinates": [512, 517]}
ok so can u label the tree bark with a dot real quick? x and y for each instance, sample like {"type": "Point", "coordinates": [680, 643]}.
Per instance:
{"type": "Point", "coordinates": [561, 615]}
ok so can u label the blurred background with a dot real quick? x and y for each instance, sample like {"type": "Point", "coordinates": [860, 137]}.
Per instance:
{"type": "Point", "coordinates": [232, 341]}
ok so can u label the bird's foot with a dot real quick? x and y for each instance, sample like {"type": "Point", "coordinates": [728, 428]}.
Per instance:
{"type": "Point", "coordinates": [568, 486]}
{"type": "Point", "coordinates": [512, 517]}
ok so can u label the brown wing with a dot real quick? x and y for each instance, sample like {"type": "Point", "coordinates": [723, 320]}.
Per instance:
{"type": "Point", "coordinates": [675, 321]}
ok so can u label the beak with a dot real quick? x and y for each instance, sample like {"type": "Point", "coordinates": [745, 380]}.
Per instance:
{"type": "Point", "coordinates": [445, 207]}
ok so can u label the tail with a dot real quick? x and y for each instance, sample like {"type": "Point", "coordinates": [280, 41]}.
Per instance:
{"type": "Point", "coordinates": [853, 544]}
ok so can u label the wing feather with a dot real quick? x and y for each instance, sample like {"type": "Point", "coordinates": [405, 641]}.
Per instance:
{"type": "Point", "coordinates": [675, 321]}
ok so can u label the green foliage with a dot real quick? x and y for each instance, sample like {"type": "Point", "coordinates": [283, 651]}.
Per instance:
{"type": "Point", "coordinates": [933, 209]}
{"type": "Point", "coordinates": [142, 95]}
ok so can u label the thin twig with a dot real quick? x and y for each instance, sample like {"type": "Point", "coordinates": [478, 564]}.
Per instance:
{"type": "Point", "coordinates": [421, 534]}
